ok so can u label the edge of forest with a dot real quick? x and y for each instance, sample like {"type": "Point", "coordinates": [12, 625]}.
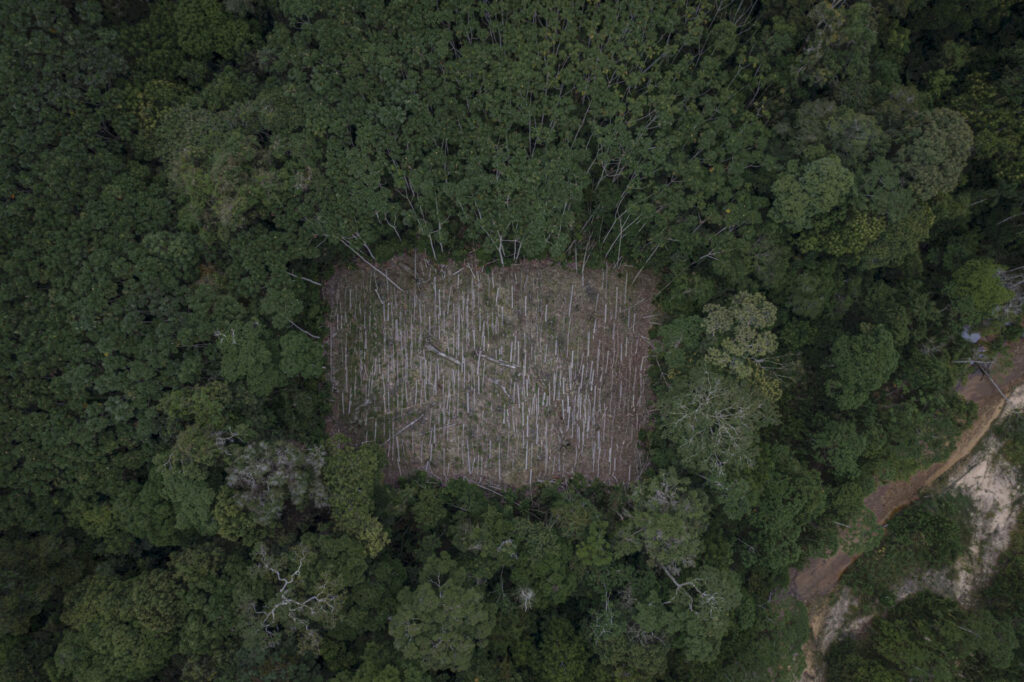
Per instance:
{"type": "Point", "coordinates": [815, 582]}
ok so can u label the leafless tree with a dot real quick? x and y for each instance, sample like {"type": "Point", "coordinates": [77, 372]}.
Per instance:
{"type": "Point", "coordinates": [290, 609]}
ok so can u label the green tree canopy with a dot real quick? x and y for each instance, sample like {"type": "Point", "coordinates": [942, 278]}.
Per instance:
{"type": "Point", "coordinates": [740, 332]}
{"type": "Point", "coordinates": [670, 519]}
{"type": "Point", "coordinates": [441, 622]}
{"type": "Point", "coordinates": [975, 290]}
{"type": "Point", "coordinates": [807, 195]}
{"type": "Point", "coordinates": [861, 363]}
{"type": "Point", "coordinates": [120, 629]}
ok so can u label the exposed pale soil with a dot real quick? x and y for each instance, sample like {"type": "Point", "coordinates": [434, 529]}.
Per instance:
{"type": "Point", "coordinates": [985, 480]}
{"type": "Point", "coordinates": [992, 485]}
{"type": "Point", "coordinates": [819, 575]}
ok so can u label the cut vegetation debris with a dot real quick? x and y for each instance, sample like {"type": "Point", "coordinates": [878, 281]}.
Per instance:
{"type": "Point", "coordinates": [505, 377]}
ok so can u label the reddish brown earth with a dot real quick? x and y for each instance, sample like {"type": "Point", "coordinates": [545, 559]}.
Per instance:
{"type": "Point", "coordinates": [819, 575]}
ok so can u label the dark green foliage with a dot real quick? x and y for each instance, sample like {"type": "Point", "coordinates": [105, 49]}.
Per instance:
{"type": "Point", "coordinates": [936, 152]}
{"type": "Point", "coordinates": [439, 624]}
{"type": "Point", "coordinates": [824, 189]}
{"type": "Point", "coordinates": [975, 291]}
{"type": "Point", "coordinates": [669, 520]}
{"type": "Point", "coordinates": [1002, 598]}
{"type": "Point", "coordinates": [861, 363]}
{"type": "Point", "coordinates": [562, 654]}
{"type": "Point", "coordinates": [841, 446]}
{"type": "Point", "coordinates": [1011, 432]}
{"type": "Point", "coordinates": [36, 572]}
{"type": "Point", "coordinates": [205, 30]}
{"type": "Point", "coordinates": [119, 629]}
{"type": "Point", "coordinates": [929, 534]}
{"type": "Point", "coordinates": [349, 478]}
{"type": "Point", "coordinates": [790, 498]}
{"type": "Point", "coordinates": [771, 649]}
{"type": "Point", "coordinates": [927, 637]}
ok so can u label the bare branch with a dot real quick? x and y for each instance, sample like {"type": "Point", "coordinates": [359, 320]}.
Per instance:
{"type": "Point", "coordinates": [309, 334]}
{"type": "Point", "coordinates": [304, 279]}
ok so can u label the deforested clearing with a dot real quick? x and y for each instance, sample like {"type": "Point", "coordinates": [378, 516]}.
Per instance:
{"type": "Point", "coordinates": [504, 376]}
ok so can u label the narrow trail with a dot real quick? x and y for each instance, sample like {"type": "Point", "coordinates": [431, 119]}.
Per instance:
{"type": "Point", "coordinates": [818, 576]}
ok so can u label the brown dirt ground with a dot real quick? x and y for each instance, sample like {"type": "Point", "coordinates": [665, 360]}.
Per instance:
{"type": "Point", "coordinates": [820, 574]}
{"type": "Point", "coordinates": [814, 582]}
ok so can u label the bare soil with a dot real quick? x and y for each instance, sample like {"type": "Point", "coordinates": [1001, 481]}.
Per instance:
{"type": "Point", "coordinates": [819, 575]}
{"type": "Point", "coordinates": [504, 377]}
{"type": "Point", "coordinates": [815, 581]}
{"type": "Point", "coordinates": [992, 485]}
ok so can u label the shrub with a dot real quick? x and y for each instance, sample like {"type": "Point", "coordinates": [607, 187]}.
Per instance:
{"type": "Point", "coordinates": [929, 534]}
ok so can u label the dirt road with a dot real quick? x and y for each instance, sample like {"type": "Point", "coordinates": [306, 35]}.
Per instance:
{"type": "Point", "coordinates": [814, 582]}
{"type": "Point", "coordinates": [819, 575]}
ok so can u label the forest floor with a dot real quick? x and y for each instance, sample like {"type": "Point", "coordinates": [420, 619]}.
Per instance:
{"type": "Point", "coordinates": [506, 376]}
{"type": "Point", "coordinates": [814, 582]}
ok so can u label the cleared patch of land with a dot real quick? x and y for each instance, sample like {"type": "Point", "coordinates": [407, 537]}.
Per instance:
{"type": "Point", "coordinates": [505, 377]}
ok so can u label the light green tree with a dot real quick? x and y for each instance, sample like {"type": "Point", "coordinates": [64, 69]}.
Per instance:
{"type": "Point", "coordinates": [301, 356]}
{"type": "Point", "coordinates": [804, 195]}
{"type": "Point", "coordinates": [740, 332]}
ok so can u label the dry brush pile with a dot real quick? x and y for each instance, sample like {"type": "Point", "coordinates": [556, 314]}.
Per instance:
{"type": "Point", "coordinates": [504, 377]}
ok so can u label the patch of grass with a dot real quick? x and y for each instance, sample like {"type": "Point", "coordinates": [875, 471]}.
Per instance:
{"type": "Point", "coordinates": [862, 534]}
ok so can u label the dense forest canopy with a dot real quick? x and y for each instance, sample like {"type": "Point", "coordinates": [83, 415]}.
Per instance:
{"type": "Point", "coordinates": [830, 193]}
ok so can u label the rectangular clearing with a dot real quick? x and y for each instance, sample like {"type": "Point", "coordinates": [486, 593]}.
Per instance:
{"type": "Point", "coordinates": [505, 377]}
